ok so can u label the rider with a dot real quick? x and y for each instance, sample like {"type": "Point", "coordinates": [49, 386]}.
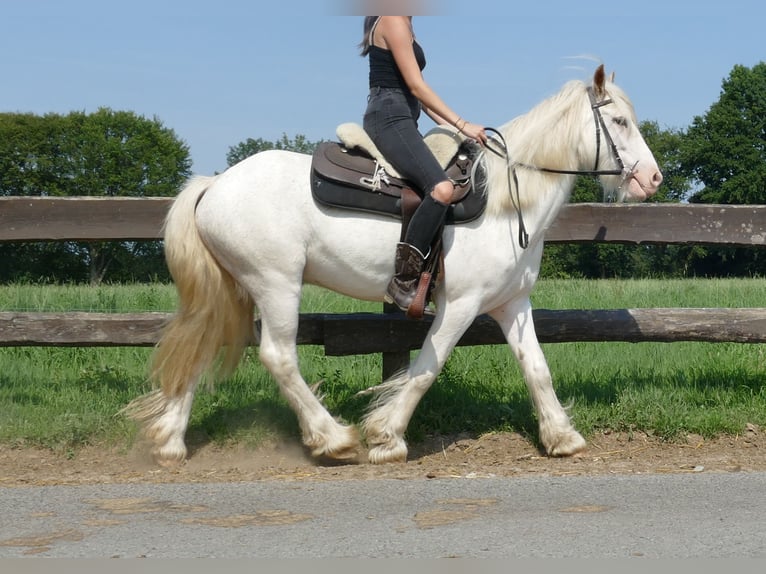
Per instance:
{"type": "Point", "coordinates": [397, 94]}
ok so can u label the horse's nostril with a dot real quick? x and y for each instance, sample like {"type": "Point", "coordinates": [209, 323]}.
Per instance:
{"type": "Point", "coordinates": [657, 178]}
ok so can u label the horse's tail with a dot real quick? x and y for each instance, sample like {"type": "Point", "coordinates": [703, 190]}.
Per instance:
{"type": "Point", "coordinates": [214, 320]}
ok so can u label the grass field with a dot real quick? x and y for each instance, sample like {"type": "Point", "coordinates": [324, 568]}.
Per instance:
{"type": "Point", "coordinates": [64, 398]}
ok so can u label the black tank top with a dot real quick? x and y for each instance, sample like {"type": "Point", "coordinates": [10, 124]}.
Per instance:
{"type": "Point", "coordinates": [384, 73]}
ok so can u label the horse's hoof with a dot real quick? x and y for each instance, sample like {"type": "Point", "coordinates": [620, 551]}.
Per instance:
{"type": "Point", "coordinates": [342, 454]}
{"type": "Point", "coordinates": [343, 445]}
{"type": "Point", "coordinates": [392, 451]}
{"type": "Point", "coordinates": [170, 456]}
{"type": "Point", "coordinates": [566, 444]}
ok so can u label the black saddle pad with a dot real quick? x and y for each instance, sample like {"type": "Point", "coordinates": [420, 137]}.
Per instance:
{"type": "Point", "coordinates": [349, 188]}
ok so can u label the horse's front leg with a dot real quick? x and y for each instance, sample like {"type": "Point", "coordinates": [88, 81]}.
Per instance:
{"type": "Point", "coordinates": [557, 434]}
{"type": "Point", "coordinates": [385, 425]}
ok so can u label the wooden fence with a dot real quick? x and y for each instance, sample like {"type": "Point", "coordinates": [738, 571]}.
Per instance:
{"type": "Point", "coordinates": [97, 219]}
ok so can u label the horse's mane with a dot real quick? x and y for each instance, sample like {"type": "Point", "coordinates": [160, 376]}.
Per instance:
{"type": "Point", "coordinates": [536, 138]}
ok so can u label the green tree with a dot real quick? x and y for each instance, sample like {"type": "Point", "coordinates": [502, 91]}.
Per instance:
{"type": "Point", "coordinates": [28, 147]}
{"type": "Point", "coordinates": [725, 150]}
{"type": "Point", "coordinates": [118, 153]}
{"type": "Point", "coordinates": [108, 152]}
{"type": "Point", "coordinates": [251, 146]}
{"type": "Point", "coordinates": [666, 147]}
{"type": "Point", "coordinates": [121, 154]}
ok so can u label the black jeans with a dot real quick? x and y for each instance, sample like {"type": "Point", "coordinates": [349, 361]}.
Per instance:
{"type": "Point", "coordinates": [391, 120]}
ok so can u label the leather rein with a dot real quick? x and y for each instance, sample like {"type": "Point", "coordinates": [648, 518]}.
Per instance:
{"type": "Point", "coordinates": [614, 153]}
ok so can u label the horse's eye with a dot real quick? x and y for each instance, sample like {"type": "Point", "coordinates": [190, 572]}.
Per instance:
{"type": "Point", "coordinates": [621, 121]}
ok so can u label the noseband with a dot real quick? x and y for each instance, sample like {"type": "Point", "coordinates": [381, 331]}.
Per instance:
{"type": "Point", "coordinates": [598, 119]}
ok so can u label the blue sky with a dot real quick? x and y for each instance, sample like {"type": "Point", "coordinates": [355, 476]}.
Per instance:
{"type": "Point", "coordinates": [220, 72]}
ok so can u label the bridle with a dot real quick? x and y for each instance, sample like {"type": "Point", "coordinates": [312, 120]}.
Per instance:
{"type": "Point", "coordinates": [614, 153]}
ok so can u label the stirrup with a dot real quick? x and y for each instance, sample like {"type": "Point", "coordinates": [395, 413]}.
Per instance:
{"type": "Point", "coordinates": [416, 310]}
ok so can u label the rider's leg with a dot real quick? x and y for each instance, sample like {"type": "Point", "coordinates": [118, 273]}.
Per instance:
{"type": "Point", "coordinates": [411, 253]}
{"type": "Point", "coordinates": [391, 121]}
{"type": "Point", "coordinates": [443, 191]}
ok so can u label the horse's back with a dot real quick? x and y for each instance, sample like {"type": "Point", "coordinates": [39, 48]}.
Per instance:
{"type": "Point", "coordinates": [264, 187]}
{"type": "Point", "coordinates": [260, 176]}
{"type": "Point", "coordinates": [259, 217]}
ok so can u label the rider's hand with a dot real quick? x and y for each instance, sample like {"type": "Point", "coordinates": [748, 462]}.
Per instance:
{"type": "Point", "coordinates": [474, 132]}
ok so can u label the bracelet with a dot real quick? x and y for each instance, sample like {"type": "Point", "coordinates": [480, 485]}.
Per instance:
{"type": "Point", "coordinates": [457, 121]}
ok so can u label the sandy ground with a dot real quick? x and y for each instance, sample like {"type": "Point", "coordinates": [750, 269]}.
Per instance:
{"type": "Point", "coordinates": [496, 454]}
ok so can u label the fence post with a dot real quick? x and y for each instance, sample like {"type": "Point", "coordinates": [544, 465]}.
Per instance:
{"type": "Point", "coordinates": [394, 361]}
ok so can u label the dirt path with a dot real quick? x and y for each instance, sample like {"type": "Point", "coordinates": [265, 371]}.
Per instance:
{"type": "Point", "coordinates": [496, 454]}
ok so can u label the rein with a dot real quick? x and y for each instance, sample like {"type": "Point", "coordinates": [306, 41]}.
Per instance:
{"type": "Point", "coordinates": [511, 173]}
{"type": "Point", "coordinates": [512, 165]}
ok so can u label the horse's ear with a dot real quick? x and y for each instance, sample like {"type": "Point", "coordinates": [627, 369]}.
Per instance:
{"type": "Point", "coordinates": [611, 77]}
{"type": "Point", "coordinates": [598, 80]}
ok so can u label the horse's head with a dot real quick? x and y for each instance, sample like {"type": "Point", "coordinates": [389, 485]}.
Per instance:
{"type": "Point", "coordinates": [627, 168]}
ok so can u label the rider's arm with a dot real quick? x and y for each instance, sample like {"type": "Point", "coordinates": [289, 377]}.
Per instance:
{"type": "Point", "coordinates": [397, 35]}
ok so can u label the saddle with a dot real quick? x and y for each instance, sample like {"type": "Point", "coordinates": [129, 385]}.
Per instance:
{"type": "Point", "coordinates": [353, 174]}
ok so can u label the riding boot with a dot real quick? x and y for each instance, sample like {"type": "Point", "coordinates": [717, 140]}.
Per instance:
{"type": "Point", "coordinates": [410, 259]}
{"type": "Point", "coordinates": [404, 284]}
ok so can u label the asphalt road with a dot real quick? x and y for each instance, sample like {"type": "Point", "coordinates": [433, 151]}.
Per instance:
{"type": "Point", "coordinates": [666, 516]}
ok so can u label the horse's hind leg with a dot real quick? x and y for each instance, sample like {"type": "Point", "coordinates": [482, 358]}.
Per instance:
{"type": "Point", "coordinates": [165, 422]}
{"type": "Point", "coordinates": [557, 434]}
{"type": "Point", "coordinates": [321, 433]}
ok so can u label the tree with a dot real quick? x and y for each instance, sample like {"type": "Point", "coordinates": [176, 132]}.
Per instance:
{"type": "Point", "coordinates": [249, 147]}
{"type": "Point", "coordinates": [103, 153]}
{"type": "Point", "coordinates": [725, 150]}
{"type": "Point", "coordinates": [666, 147]}
{"type": "Point", "coordinates": [120, 154]}
{"type": "Point", "coordinates": [28, 146]}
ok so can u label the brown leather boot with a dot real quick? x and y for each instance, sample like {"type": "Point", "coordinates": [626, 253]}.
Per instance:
{"type": "Point", "coordinates": [404, 284]}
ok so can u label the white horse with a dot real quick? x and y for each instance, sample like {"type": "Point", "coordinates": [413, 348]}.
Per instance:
{"type": "Point", "coordinates": [251, 236]}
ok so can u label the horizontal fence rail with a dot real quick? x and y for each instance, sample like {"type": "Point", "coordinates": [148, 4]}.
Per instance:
{"type": "Point", "coordinates": [128, 218]}
{"type": "Point", "coordinates": [391, 333]}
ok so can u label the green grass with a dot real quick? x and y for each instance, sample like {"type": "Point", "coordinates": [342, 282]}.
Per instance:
{"type": "Point", "coordinates": [67, 397]}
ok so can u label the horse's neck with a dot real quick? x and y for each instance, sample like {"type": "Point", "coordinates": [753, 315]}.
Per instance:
{"type": "Point", "coordinates": [548, 136]}
{"type": "Point", "coordinates": [551, 191]}
{"type": "Point", "coordinates": [542, 138]}
{"type": "Point", "coordinates": [537, 193]}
